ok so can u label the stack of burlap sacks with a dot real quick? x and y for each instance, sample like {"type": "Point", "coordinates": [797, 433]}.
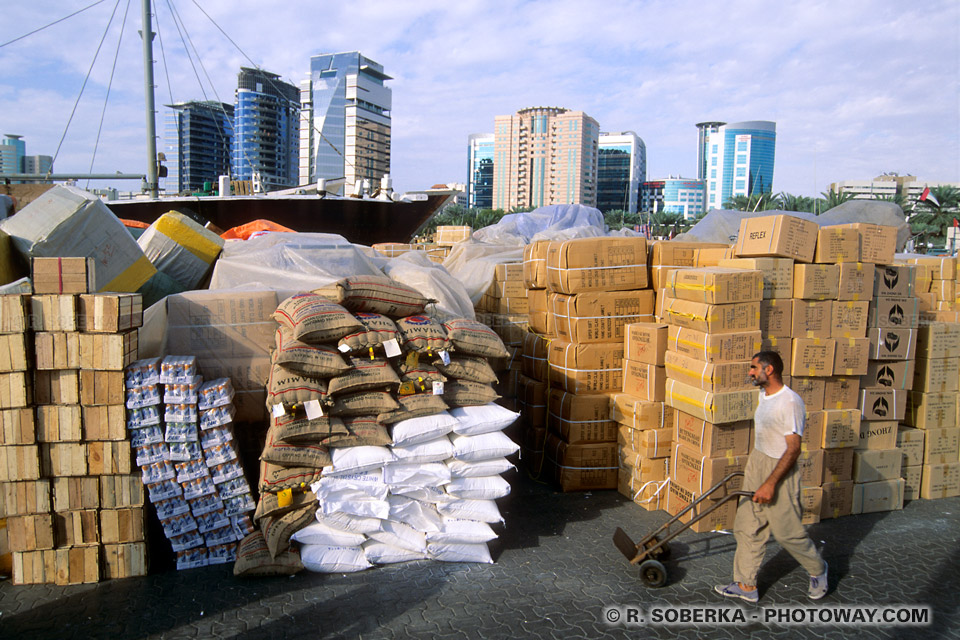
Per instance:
{"type": "Point", "coordinates": [385, 443]}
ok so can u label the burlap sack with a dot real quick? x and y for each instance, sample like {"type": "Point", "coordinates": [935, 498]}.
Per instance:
{"type": "Point", "coordinates": [314, 319]}
{"type": "Point", "coordinates": [376, 294]}
{"type": "Point", "coordinates": [377, 329]}
{"type": "Point", "coordinates": [421, 372]}
{"type": "Point", "coordinates": [269, 505]}
{"type": "Point", "coordinates": [415, 406]}
{"type": "Point", "coordinates": [365, 374]}
{"type": "Point", "coordinates": [296, 428]}
{"type": "Point", "coordinates": [294, 455]}
{"type": "Point", "coordinates": [463, 393]}
{"type": "Point", "coordinates": [275, 478]}
{"type": "Point", "coordinates": [472, 368]}
{"type": "Point", "coordinates": [315, 361]}
{"type": "Point", "coordinates": [423, 334]}
{"type": "Point", "coordinates": [278, 529]}
{"type": "Point", "coordinates": [363, 430]}
{"type": "Point", "coordinates": [469, 337]}
{"type": "Point", "coordinates": [289, 388]}
{"type": "Point", "coordinates": [364, 403]}
{"type": "Point", "coordinates": [254, 559]}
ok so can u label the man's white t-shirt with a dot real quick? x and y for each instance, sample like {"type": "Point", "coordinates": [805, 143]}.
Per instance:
{"type": "Point", "coordinates": [777, 416]}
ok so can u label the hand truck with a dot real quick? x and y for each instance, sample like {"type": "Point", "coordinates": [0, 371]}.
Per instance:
{"type": "Point", "coordinates": [652, 549]}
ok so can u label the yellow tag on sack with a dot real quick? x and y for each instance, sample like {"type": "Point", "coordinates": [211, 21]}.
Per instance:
{"type": "Point", "coordinates": [285, 498]}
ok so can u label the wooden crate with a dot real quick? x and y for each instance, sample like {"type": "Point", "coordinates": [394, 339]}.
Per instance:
{"type": "Point", "coordinates": [14, 313]}
{"type": "Point", "coordinates": [63, 275]}
{"type": "Point", "coordinates": [63, 459]}
{"type": "Point", "coordinates": [59, 423]}
{"type": "Point", "coordinates": [110, 312]}
{"type": "Point", "coordinates": [16, 390]}
{"type": "Point", "coordinates": [121, 491]}
{"type": "Point", "coordinates": [56, 387]}
{"type": "Point", "coordinates": [57, 350]}
{"type": "Point", "coordinates": [17, 426]}
{"type": "Point", "coordinates": [34, 567]}
{"type": "Point", "coordinates": [122, 525]}
{"type": "Point", "coordinates": [19, 463]}
{"type": "Point", "coordinates": [106, 422]}
{"type": "Point", "coordinates": [125, 560]}
{"type": "Point", "coordinates": [108, 351]}
{"type": "Point", "coordinates": [31, 533]}
{"type": "Point", "coordinates": [101, 387]}
{"type": "Point", "coordinates": [78, 565]}
{"type": "Point", "coordinates": [76, 528]}
{"type": "Point", "coordinates": [109, 457]}
{"type": "Point", "coordinates": [71, 494]}
{"type": "Point", "coordinates": [15, 352]}
{"type": "Point", "coordinates": [24, 498]}
{"type": "Point", "coordinates": [54, 312]}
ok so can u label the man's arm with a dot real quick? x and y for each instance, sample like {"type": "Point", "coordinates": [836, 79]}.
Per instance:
{"type": "Point", "coordinates": [765, 492]}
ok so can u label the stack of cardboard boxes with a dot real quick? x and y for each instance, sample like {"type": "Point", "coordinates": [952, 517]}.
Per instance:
{"type": "Point", "coordinates": [504, 308]}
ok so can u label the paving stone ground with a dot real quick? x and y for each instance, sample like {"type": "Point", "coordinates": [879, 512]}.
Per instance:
{"type": "Point", "coordinates": [557, 575]}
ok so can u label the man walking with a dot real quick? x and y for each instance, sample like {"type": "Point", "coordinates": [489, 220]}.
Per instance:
{"type": "Point", "coordinates": [771, 473]}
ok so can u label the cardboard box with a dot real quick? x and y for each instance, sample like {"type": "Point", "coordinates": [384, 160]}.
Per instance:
{"type": "Point", "coordinates": [109, 312]}
{"type": "Point", "coordinates": [837, 464]}
{"type": "Point", "coordinates": [848, 319]}
{"type": "Point", "coordinates": [640, 414]}
{"type": "Point", "coordinates": [72, 494]}
{"type": "Point", "coordinates": [63, 459]}
{"type": "Point", "coordinates": [59, 423]}
{"type": "Point", "coordinates": [122, 525]}
{"type": "Point", "coordinates": [510, 328]}
{"type": "Point", "coordinates": [506, 306]}
{"type": "Point", "coordinates": [710, 347]}
{"type": "Point", "coordinates": [599, 316]}
{"type": "Point", "coordinates": [577, 467]}
{"type": "Point", "coordinates": [896, 313]}
{"type": "Point", "coordinates": [57, 387]}
{"type": "Point", "coordinates": [713, 440]}
{"type": "Point", "coordinates": [712, 318]}
{"type": "Point", "coordinates": [856, 281]}
{"type": "Point", "coordinates": [646, 342]}
{"type": "Point", "coordinates": [776, 318]}
{"type": "Point", "coordinates": [15, 313]}
{"type": "Point", "coordinates": [679, 498]}
{"type": "Point", "coordinates": [667, 256]}
{"type": "Point", "coordinates": [931, 410]}
{"type": "Point", "coordinates": [17, 427]}
{"type": "Point", "coordinates": [876, 465]}
{"type": "Point", "coordinates": [101, 388]}
{"type": "Point", "coordinates": [54, 312]}
{"type": "Point", "coordinates": [841, 428]}
{"type": "Point", "coordinates": [810, 467]}
{"type": "Point", "coordinates": [883, 495]}
{"type": "Point", "coordinates": [779, 236]}
{"type": "Point", "coordinates": [783, 347]}
{"type": "Point", "coordinates": [533, 356]}
{"type": "Point", "coordinates": [535, 264]}
{"type": "Point", "coordinates": [816, 281]}
{"type": "Point", "coordinates": [108, 351]}
{"type": "Point", "coordinates": [892, 374]}
{"type": "Point", "coordinates": [811, 318]}
{"type": "Point", "coordinates": [451, 234]}
{"type": "Point", "coordinates": [16, 390]}
{"type": "Point", "coordinates": [579, 368]}
{"type": "Point", "coordinates": [812, 438]}
{"type": "Point", "coordinates": [644, 468]}
{"type": "Point", "coordinates": [24, 498]}
{"type": "Point", "coordinates": [57, 350]}
{"type": "Point", "coordinates": [894, 281]}
{"type": "Point", "coordinates": [698, 473]}
{"type": "Point", "coordinates": [940, 481]}
{"type": "Point", "coordinates": [649, 443]}
{"type": "Point", "coordinates": [63, 275]}
{"type": "Point", "coordinates": [645, 381]}
{"type": "Point", "coordinates": [104, 422]}
{"type": "Point", "coordinates": [892, 344]}
{"type": "Point", "coordinates": [837, 499]}
{"type": "Point", "coordinates": [716, 377]}
{"type": "Point", "coordinates": [837, 244]}
{"type": "Point", "coordinates": [712, 407]}
{"type": "Point", "coordinates": [841, 392]}
{"type": "Point", "coordinates": [597, 264]}
{"type": "Point", "coordinates": [878, 243]}
{"type": "Point", "coordinates": [31, 533]}
{"type": "Point", "coordinates": [910, 441]}
{"type": "Point", "coordinates": [716, 285]}
{"type": "Point", "coordinates": [651, 495]}
{"type": "Point", "coordinates": [15, 352]}
{"type": "Point", "coordinates": [811, 390]}
{"type": "Point", "coordinates": [581, 418]}
{"type": "Point", "coordinates": [507, 288]}
{"type": "Point", "coordinates": [912, 477]}
{"type": "Point", "coordinates": [883, 404]}
{"type": "Point", "coordinates": [813, 357]}
{"type": "Point", "coordinates": [76, 528]}
{"type": "Point", "coordinates": [939, 340]}
{"type": "Point", "coordinates": [811, 502]}
{"type": "Point", "coordinates": [877, 434]}
{"type": "Point", "coordinates": [777, 274]}
{"type": "Point", "coordinates": [941, 445]}
{"type": "Point", "coordinates": [852, 356]}
{"type": "Point", "coordinates": [939, 268]}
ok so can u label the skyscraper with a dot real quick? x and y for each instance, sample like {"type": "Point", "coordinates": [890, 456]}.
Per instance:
{"type": "Point", "coordinates": [12, 150]}
{"type": "Point", "coordinates": [621, 170]}
{"type": "Point", "coordinates": [740, 160]}
{"type": "Point", "coordinates": [199, 136]}
{"type": "Point", "coordinates": [704, 129]}
{"type": "Point", "coordinates": [480, 171]}
{"type": "Point", "coordinates": [345, 120]}
{"type": "Point", "coordinates": [545, 155]}
{"type": "Point", "coordinates": [675, 195]}
{"type": "Point", "coordinates": [265, 129]}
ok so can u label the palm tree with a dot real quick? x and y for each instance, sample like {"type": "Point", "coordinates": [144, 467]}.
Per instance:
{"type": "Point", "coordinates": [790, 202]}
{"type": "Point", "coordinates": [832, 199]}
{"type": "Point", "coordinates": [755, 202]}
{"type": "Point", "coordinates": [931, 218]}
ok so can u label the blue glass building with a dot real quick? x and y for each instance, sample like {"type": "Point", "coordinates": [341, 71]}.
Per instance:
{"type": "Point", "coordinates": [675, 195]}
{"type": "Point", "coordinates": [621, 171]}
{"type": "Point", "coordinates": [480, 171]}
{"type": "Point", "coordinates": [266, 122]}
{"type": "Point", "coordinates": [740, 158]}
{"type": "Point", "coordinates": [198, 139]}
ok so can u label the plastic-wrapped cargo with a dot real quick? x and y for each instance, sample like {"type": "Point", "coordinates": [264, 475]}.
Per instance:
{"type": "Point", "coordinates": [180, 248]}
{"type": "Point", "coordinates": [70, 222]}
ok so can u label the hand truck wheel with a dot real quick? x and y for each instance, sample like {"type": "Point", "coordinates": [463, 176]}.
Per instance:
{"type": "Point", "coordinates": [653, 574]}
{"type": "Point", "coordinates": [663, 553]}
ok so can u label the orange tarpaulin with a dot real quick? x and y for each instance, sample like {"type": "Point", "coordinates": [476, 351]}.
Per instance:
{"type": "Point", "coordinates": [136, 224]}
{"type": "Point", "coordinates": [245, 231]}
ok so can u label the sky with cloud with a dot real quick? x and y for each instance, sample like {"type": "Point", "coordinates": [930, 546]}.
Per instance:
{"type": "Point", "coordinates": [857, 88]}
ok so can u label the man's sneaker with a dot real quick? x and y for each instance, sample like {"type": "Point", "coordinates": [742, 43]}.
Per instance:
{"type": "Point", "coordinates": [818, 584]}
{"type": "Point", "coordinates": [733, 590]}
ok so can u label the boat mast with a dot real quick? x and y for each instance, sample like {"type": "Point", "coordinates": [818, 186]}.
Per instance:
{"type": "Point", "coordinates": [146, 34]}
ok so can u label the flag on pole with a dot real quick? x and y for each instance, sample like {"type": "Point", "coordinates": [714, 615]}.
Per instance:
{"type": "Point", "coordinates": [926, 195]}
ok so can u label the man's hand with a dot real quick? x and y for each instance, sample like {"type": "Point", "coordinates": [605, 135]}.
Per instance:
{"type": "Point", "coordinates": [764, 493]}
